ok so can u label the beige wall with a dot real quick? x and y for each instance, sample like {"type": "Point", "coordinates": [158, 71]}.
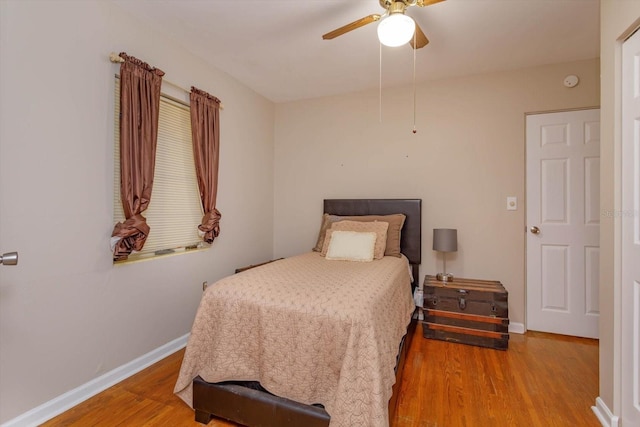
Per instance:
{"type": "Point", "coordinates": [465, 159]}
{"type": "Point", "coordinates": [618, 18]}
{"type": "Point", "coordinates": [67, 315]}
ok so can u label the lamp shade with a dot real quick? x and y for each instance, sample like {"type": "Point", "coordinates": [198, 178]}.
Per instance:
{"type": "Point", "coordinates": [396, 29]}
{"type": "Point", "coordinates": [445, 239]}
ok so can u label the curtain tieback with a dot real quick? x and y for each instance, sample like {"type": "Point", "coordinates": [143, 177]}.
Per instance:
{"type": "Point", "coordinates": [129, 236]}
{"type": "Point", "coordinates": [210, 227]}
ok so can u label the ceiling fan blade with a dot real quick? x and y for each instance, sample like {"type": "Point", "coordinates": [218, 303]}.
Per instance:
{"type": "Point", "coordinates": [421, 40]}
{"type": "Point", "coordinates": [352, 26]}
{"type": "Point", "coordinates": [423, 3]}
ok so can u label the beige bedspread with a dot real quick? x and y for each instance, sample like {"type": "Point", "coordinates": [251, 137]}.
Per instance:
{"type": "Point", "coordinates": [308, 329]}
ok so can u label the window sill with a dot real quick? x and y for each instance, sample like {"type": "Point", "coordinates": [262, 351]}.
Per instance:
{"type": "Point", "coordinates": [135, 258]}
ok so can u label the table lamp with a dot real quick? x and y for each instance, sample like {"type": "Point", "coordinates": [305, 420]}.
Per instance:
{"type": "Point", "coordinates": [445, 240]}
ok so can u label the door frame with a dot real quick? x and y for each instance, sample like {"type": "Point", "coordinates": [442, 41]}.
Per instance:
{"type": "Point", "coordinates": [629, 309]}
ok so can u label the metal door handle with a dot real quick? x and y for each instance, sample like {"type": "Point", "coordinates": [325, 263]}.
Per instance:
{"type": "Point", "coordinates": [10, 258]}
{"type": "Point", "coordinates": [535, 230]}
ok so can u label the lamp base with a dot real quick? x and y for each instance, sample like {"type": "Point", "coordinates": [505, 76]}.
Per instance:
{"type": "Point", "coordinates": [444, 277]}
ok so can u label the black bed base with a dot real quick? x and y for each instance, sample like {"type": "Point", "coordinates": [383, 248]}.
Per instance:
{"type": "Point", "coordinates": [247, 403]}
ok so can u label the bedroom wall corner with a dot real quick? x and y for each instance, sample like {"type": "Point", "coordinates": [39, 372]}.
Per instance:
{"type": "Point", "coordinates": [67, 314]}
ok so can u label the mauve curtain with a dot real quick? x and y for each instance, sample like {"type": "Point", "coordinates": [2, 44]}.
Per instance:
{"type": "Point", "coordinates": [205, 130]}
{"type": "Point", "coordinates": [139, 109]}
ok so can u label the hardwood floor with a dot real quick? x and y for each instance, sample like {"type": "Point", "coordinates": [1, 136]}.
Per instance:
{"type": "Point", "coordinates": [542, 380]}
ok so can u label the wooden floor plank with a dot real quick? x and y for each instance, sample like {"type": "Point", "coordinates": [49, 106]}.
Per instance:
{"type": "Point", "coordinates": [541, 380]}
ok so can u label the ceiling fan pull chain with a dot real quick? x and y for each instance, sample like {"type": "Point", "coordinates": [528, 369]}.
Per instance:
{"type": "Point", "coordinates": [414, 83]}
{"type": "Point", "coordinates": [380, 81]}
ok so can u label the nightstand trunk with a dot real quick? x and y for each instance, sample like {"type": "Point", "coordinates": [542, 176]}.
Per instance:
{"type": "Point", "coordinates": [466, 311]}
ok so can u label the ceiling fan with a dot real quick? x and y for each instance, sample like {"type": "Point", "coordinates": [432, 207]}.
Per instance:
{"type": "Point", "coordinates": [388, 34]}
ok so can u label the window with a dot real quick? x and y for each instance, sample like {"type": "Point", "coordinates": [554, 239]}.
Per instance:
{"type": "Point", "coordinates": [175, 210]}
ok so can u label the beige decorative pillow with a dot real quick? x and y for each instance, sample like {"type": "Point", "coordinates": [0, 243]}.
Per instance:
{"type": "Point", "coordinates": [378, 227]}
{"type": "Point", "coordinates": [327, 220]}
{"type": "Point", "coordinates": [396, 221]}
{"type": "Point", "coordinates": [351, 246]}
{"type": "Point", "coordinates": [324, 226]}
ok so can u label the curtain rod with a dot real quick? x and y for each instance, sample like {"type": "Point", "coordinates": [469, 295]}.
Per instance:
{"type": "Point", "coordinates": [114, 57]}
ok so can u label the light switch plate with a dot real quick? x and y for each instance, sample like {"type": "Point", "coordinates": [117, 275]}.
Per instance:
{"type": "Point", "coordinates": [512, 203]}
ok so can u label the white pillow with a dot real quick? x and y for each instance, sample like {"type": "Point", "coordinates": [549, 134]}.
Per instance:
{"type": "Point", "coordinates": [351, 246]}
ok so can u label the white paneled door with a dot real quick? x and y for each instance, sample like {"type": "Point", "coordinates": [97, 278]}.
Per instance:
{"type": "Point", "coordinates": [630, 221]}
{"type": "Point", "coordinates": [563, 222]}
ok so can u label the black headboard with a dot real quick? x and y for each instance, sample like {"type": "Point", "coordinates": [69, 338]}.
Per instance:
{"type": "Point", "coordinates": [411, 237]}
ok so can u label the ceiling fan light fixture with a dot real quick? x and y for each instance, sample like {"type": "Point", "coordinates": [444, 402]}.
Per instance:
{"type": "Point", "coordinates": [396, 29]}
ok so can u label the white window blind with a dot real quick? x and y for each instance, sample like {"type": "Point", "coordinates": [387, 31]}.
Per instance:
{"type": "Point", "coordinates": [174, 211]}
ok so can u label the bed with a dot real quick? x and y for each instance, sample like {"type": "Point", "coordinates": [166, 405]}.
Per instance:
{"type": "Point", "coordinates": [339, 358]}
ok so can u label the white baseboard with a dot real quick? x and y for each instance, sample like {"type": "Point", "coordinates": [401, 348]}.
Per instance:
{"type": "Point", "coordinates": [605, 416]}
{"type": "Point", "coordinates": [68, 400]}
{"type": "Point", "coordinates": [517, 328]}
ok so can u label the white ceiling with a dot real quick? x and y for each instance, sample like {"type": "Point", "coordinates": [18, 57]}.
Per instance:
{"type": "Point", "coordinates": [275, 47]}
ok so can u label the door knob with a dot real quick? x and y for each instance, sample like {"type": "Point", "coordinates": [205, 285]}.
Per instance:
{"type": "Point", "coordinates": [10, 258]}
{"type": "Point", "coordinates": [535, 230]}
